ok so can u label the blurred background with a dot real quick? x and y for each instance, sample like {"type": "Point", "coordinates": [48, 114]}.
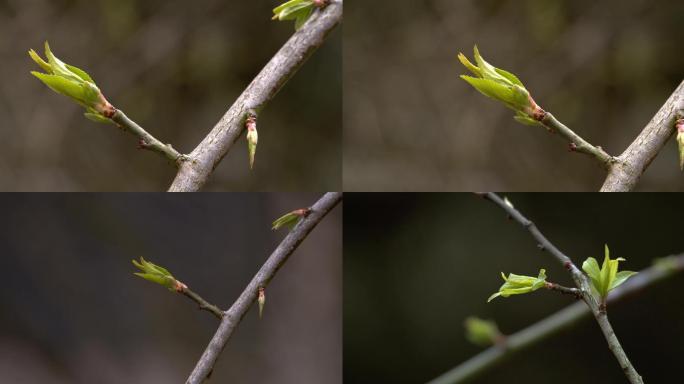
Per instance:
{"type": "Point", "coordinates": [71, 310]}
{"type": "Point", "coordinates": [175, 67]}
{"type": "Point", "coordinates": [422, 263]}
{"type": "Point", "coordinates": [604, 68]}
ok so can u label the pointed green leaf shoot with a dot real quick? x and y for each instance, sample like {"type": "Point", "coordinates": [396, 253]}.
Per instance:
{"type": "Point", "coordinates": [606, 278]}
{"type": "Point", "coordinates": [72, 82]}
{"type": "Point", "coordinates": [297, 10]}
{"type": "Point", "coordinates": [519, 284]}
{"type": "Point", "coordinates": [291, 219]}
{"type": "Point", "coordinates": [500, 85]}
{"type": "Point", "coordinates": [482, 332]}
{"type": "Point", "coordinates": [252, 138]}
{"type": "Point", "coordinates": [157, 274]}
{"type": "Point", "coordinates": [261, 300]}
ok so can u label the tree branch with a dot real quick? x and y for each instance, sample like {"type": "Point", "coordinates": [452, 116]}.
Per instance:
{"type": "Point", "coordinates": [631, 164]}
{"type": "Point", "coordinates": [556, 323]}
{"type": "Point", "coordinates": [581, 281]}
{"type": "Point", "coordinates": [146, 141]}
{"type": "Point", "coordinates": [577, 143]}
{"type": "Point", "coordinates": [237, 311]}
{"type": "Point", "coordinates": [564, 290]}
{"type": "Point", "coordinates": [195, 172]}
{"type": "Point", "coordinates": [203, 304]}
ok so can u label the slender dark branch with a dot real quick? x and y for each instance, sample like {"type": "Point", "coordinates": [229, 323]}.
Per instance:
{"type": "Point", "coordinates": [632, 163]}
{"type": "Point", "coordinates": [542, 242]}
{"type": "Point", "coordinates": [556, 323]}
{"type": "Point", "coordinates": [564, 290]}
{"type": "Point", "coordinates": [577, 143]}
{"type": "Point", "coordinates": [146, 141]}
{"type": "Point", "coordinates": [237, 311]}
{"type": "Point", "coordinates": [582, 282]}
{"type": "Point", "coordinates": [193, 174]}
{"type": "Point", "coordinates": [203, 304]}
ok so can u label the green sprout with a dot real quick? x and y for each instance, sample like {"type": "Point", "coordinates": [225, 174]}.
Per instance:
{"type": "Point", "coordinates": [261, 299]}
{"type": "Point", "coordinates": [606, 278]}
{"type": "Point", "coordinates": [252, 138]}
{"type": "Point", "coordinates": [74, 83]}
{"type": "Point", "coordinates": [291, 219]}
{"type": "Point", "coordinates": [518, 284]}
{"type": "Point", "coordinates": [158, 274]}
{"type": "Point", "coordinates": [297, 10]}
{"type": "Point", "coordinates": [482, 332]}
{"type": "Point", "coordinates": [503, 86]}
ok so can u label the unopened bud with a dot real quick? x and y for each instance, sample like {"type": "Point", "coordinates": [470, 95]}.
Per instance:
{"type": "Point", "coordinates": [252, 138]}
{"type": "Point", "coordinates": [261, 300]}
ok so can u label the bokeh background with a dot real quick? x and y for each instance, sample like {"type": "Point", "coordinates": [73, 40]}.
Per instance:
{"type": "Point", "coordinates": [175, 67]}
{"type": "Point", "coordinates": [422, 263]}
{"type": "Point", "coordinates": [602, 67]}
{"type": "Point", "coordinates": [71, 310]}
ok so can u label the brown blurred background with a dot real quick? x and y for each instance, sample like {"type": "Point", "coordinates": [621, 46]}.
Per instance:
{"type": "Point", "coordinates": [71, 310]}
{"type": "Point", "coordinates": [175, 67]}
{"type": "Point", "coordinates": [602, 67]}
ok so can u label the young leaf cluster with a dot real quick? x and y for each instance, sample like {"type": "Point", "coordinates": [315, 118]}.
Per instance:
{"type": "Point", "coordinates": [606, 278]}
{"type": "Point", "coordinates": [157, 274]}
{"type": "Point", "coordinates": [297, 10]}
{"type": "Point", "coordinates": [500, 85]}
{"type": "Point", "coordinates": [72, 82]}
{"type": "Point", "coordinates": [519, 284]}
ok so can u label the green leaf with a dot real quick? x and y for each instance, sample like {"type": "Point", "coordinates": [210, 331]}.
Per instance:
{"type": "Point", "coordinates": [500, 85]}
{"type": "Point", "coordinates": [63, 86]}
{"type": "Point", "coordinates": [606, 278]}
{"type": "Point", "coordinates": [620, 278]}
{"type": "Point", "coordinates": [302, 17]}
{"type": "Point", "coordinates": [46, 67]}
{"type": "Point", "coordinates": [288, 10]}
{"type": "Point", "coordinates": [80, 73]}
{"type": "Point", "coordinates": [519, 284]}
{"type": "Point", "coordinates": [287, 220]}
{"type": "Point", "coordinates": [157, 274]}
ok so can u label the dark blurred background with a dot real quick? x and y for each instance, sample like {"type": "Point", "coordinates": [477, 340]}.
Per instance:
{"type": "Point", "coordinates": [604, 68]}
{"type": "Point", "coordinates": [420, 264]}
{"type": "Point", "coordinates": [175, 67]}
{"type": "Point", "coordinates": [71, 310]}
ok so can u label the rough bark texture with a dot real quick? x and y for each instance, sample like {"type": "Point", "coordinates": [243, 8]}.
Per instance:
{"type": "Point", "coordinates": [237, 311]}
{"type": "Point", "coordinates": [625, 173]}
{"type": "Point", "coordinates": [195, 172]}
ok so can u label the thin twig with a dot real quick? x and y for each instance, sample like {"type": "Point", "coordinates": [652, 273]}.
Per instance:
{"type": "Point", "coordinates": [203, 304]}
{"type": "Point", "coordinates": [581, 281]}
{"type": "Point", "coordinates": [555, 323]}
{"type": "Point", "coordinates": [237, 311]}
{"type": "Point", "coordinates": [564, 290]}
{"type": "Point", "coordinates": [146, 141]}
{"type": "Point", "coordinates": [193, 174]}
{"type": "Point", "coordinates": [631, 164]}
{"type": "Point", "coordinates": [577, 143]}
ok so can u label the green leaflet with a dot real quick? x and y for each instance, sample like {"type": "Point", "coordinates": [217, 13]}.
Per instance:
{"type": "Point", "coordinates": [519, 284]}
{"type": "Point", "coordinates": [500, 85]}
{"type": "Point", "coordinates": [287, 220]}
{"type": "Point", "coordinates": [297, 10]}
{"type": "Point", "coordinates": [606, 278]}
{"type": "Point", "coordinates": [157, 274]}
{"type": "Point", "coordinates": [69, 81]}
